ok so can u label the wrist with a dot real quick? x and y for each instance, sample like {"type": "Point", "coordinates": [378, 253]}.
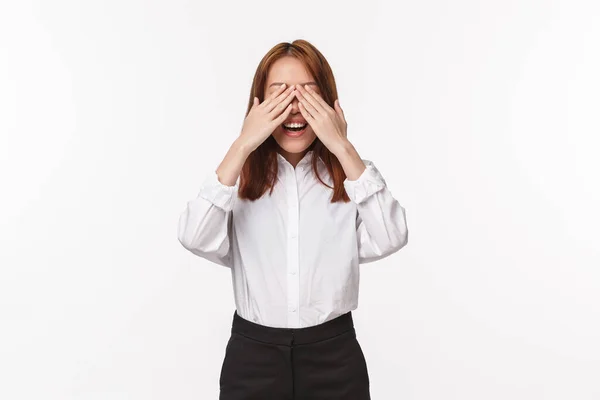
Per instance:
{"type": "Point", "coordinates": [343, 148]}
{"type": "Point", "coordinates": [241, 147]}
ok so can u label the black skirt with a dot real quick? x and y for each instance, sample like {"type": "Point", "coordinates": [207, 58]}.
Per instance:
{"type": "Point", "coordinates": [317, 362]}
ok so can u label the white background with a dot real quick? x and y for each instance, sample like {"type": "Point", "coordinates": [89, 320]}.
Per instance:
{"type": "Point", "coordinates": [482, 117]}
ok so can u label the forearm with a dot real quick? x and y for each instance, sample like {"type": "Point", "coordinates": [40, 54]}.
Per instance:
{"type": "Point", "coordinates": [350, 159]}
{"type": "Point", "coordinates": [230, 168]}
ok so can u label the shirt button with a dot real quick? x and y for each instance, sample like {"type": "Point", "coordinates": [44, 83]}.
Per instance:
{"type": "Point", "coordinates": [293, 309]}
{"type": "Point", "coordinates": [301, 169]}
{"type": "Point", "coordinates": [293, 272]}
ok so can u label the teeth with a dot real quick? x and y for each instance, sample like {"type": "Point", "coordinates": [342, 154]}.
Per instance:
{"type": "Point", "coordinates": [294, 125]}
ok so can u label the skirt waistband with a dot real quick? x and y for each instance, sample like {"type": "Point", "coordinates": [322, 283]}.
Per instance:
{"type": "Point", "coordinates": [289, 336]}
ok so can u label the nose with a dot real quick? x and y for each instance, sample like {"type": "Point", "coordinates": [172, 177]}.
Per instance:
{"type": "Point", "coordinates": [295, 106]}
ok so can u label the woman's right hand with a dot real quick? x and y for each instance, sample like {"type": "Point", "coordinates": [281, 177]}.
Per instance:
{"type": "Point", "coordinates": [265, 117]}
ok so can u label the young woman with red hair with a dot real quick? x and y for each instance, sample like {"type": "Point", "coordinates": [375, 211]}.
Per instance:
{"type": "Point", "coordinates": [293, 210]}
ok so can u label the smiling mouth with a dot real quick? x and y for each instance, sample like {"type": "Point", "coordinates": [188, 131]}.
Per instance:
{"type": "Point", "coordinates": [294, 127]}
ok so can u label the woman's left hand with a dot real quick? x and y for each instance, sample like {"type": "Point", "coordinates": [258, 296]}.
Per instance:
{"type": "Point", "coordinates": [328, 124]}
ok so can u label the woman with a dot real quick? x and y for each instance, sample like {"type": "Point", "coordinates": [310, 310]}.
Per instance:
{"type": "Point", "coordinates": [293, 210]}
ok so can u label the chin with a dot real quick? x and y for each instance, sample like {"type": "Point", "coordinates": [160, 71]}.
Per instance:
{"type": "Point", "coordinates": [294, 145]}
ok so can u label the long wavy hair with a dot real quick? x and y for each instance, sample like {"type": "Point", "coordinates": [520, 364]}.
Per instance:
{"type": "Point", "coordinates": [259, 172]}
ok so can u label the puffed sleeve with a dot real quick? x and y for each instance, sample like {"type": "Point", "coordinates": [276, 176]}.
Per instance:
{"type": "Point", "coordinates": [381, 227]}
{"type": "Point", "coordinates": [205, 224]}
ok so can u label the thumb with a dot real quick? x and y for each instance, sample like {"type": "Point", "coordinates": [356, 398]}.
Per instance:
{"type": "Point", "coordinates": [338, 109]}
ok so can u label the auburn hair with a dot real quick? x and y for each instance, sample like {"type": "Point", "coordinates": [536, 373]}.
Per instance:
{"type": "Point", "coordinates": [259, 172]}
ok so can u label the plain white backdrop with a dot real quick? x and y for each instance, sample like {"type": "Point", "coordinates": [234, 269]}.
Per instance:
{"type": "Point", "coordinates": [482, 117]}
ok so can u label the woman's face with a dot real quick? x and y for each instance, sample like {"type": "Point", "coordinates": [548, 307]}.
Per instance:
{"type": "Point", "coordinates": [290, 71]}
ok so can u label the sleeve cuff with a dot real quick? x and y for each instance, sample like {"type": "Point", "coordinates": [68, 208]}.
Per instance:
{"type": "Point", "coordinates": [368, 183]}
{"type": "Point", "coordinates": [217, 193]}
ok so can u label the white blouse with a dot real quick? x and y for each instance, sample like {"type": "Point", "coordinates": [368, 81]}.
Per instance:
{"type": "Point", "coordinates": [294, 256]}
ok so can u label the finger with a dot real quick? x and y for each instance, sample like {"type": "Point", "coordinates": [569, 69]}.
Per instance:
{"type": "Point", "coordinates": [307, 105]}
{"type": "Point", "coordinates": [255, 102]}
{"type": "Point", "coordinates": [273, 95]}
{"type": "Point", "coordinates": [312, 92]}
{"type": "Point", "coordinates": [280, 107]}
{"type": "Point", "coordinates": [279, 99]}
{"type": "Point", "coordinates": [309, 118]}
{"type": "Point", "coordinates": [312, 99]}
{"type": "Point", "coordinates": [279, 120]}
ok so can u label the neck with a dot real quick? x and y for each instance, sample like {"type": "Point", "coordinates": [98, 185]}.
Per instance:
{"type": "Point", "coordinates": [292, 158]}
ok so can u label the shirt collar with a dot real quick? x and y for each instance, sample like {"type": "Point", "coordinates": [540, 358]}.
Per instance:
{"type": "Point", "coordinates": [305, 160]}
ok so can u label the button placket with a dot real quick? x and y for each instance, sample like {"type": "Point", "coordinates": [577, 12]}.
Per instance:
{"type": "Point", "coordinates": [293, 282]}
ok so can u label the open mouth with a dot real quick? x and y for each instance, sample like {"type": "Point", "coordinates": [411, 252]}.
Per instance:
{"type": "Point", "coordinates": [294, 127]}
